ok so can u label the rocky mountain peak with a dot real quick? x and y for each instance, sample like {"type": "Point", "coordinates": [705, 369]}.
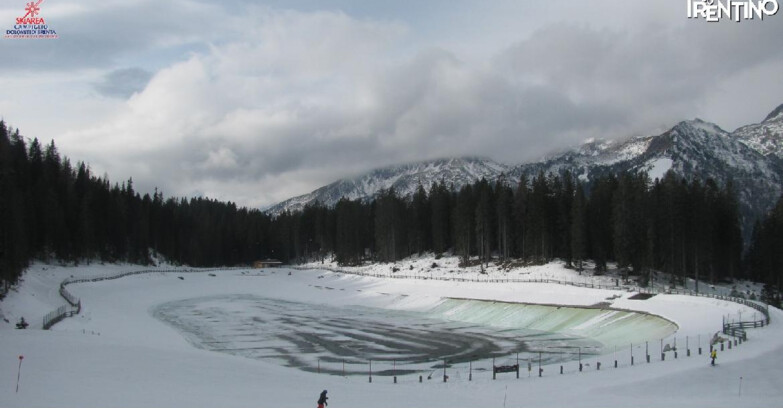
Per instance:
{"type": "Point", "coordinates": [775, 115]}
{"type": "Point", "coordinates": [765, 137]}
{"type": "Point", "coordinates": [700, 127]}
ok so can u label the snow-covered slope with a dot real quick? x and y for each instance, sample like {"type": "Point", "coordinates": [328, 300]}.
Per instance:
{"type": "Point", "coordinates": [404, 179]}
{"type": "Point", "coordinates": [765, 137]}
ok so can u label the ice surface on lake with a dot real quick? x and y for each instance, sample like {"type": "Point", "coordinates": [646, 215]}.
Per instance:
{"type": "Point", "coordinates": [326, 338]}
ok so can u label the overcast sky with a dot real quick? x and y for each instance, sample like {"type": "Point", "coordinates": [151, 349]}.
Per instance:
{"type": "Point", "coordinates": [257, 101]}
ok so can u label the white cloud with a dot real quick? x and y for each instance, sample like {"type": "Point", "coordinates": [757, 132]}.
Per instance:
{"type": "Point", "coordinates": [242, 110]}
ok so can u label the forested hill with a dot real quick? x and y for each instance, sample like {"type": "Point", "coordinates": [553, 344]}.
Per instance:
{"type": "Point", "coordinates": [52, 209]}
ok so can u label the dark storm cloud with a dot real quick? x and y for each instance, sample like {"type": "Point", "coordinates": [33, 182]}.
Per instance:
{"type": "Point", "coordinates": [650, 75]}
{"type": "Point", "coordinates": [122, 83]}
{"type": "Point", "coordinates": [433, 105]}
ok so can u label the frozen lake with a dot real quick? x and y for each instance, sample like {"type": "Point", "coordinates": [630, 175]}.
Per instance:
{"type": "Point", "coordinates": [117, 346]}
{"type": "Point", "coordinates": [342, 339]}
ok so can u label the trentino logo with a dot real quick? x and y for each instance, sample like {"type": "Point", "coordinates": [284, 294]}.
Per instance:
{"type": "Point", "coordinates": [736, 10]}
{"type": "Point", "coordinates": [31, 25]}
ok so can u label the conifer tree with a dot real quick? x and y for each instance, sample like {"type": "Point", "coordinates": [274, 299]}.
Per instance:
{"type": "Point", "coordinates": [440, 218]}
{"type": "Point", "coordinates": [578, 228]}
{"type": "Point", "coordinates": [504, 207]}
{"type": "Point", "coordinates": [463, 217]}
{"type": "Point", "coordinates": [419, 222]}
{"type": "Point", "coordinates": [521, 198]}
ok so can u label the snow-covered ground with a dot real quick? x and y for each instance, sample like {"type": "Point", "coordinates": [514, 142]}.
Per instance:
{"type": "Point", "coordinates": [117, 353]}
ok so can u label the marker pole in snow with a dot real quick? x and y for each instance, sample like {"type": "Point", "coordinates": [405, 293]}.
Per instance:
{"type": "Point", "coordinates": [675, 346]}
{"type": "Point", "coordinates": [614, 355]}
{"type": "Point", "coordinates": [540, 370]}
{"type": "Point", "coordinates": [445, 378]}
{"type": "Point", "coordinates": [19, 372]}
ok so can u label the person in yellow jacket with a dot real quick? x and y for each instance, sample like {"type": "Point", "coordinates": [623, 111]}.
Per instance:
{"type": "Point", "coordinates": [713, 356]}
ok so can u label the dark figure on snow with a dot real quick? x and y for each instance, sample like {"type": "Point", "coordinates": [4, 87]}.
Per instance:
{"type": "Point", "coordinates": [322, 400]}
{"type": "Point", "coordinates": [713, 356]}
{"type": "Point", "coordinates": [22, 324]}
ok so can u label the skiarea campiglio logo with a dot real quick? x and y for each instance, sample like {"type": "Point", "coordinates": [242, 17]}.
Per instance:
{"type": "Point", "coordinates": [31, 25]}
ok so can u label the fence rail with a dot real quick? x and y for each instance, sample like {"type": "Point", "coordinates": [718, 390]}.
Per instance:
{"type": "Point", "coordinates": [75, 304]}
{"type": "Point", "coordinates": [54, 316]}
{"type": "Point", "coordinates": [737, 329]}
{"type": "Point", "coordinates": [112, 276]}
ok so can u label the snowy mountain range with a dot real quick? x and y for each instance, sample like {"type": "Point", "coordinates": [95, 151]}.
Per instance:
{"type": "Point", "coordinates": [692, 149]}
{"type": "Point", "coordinates": [751, 156]}
{"type": "Point", "coordinates": [405, 179]}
